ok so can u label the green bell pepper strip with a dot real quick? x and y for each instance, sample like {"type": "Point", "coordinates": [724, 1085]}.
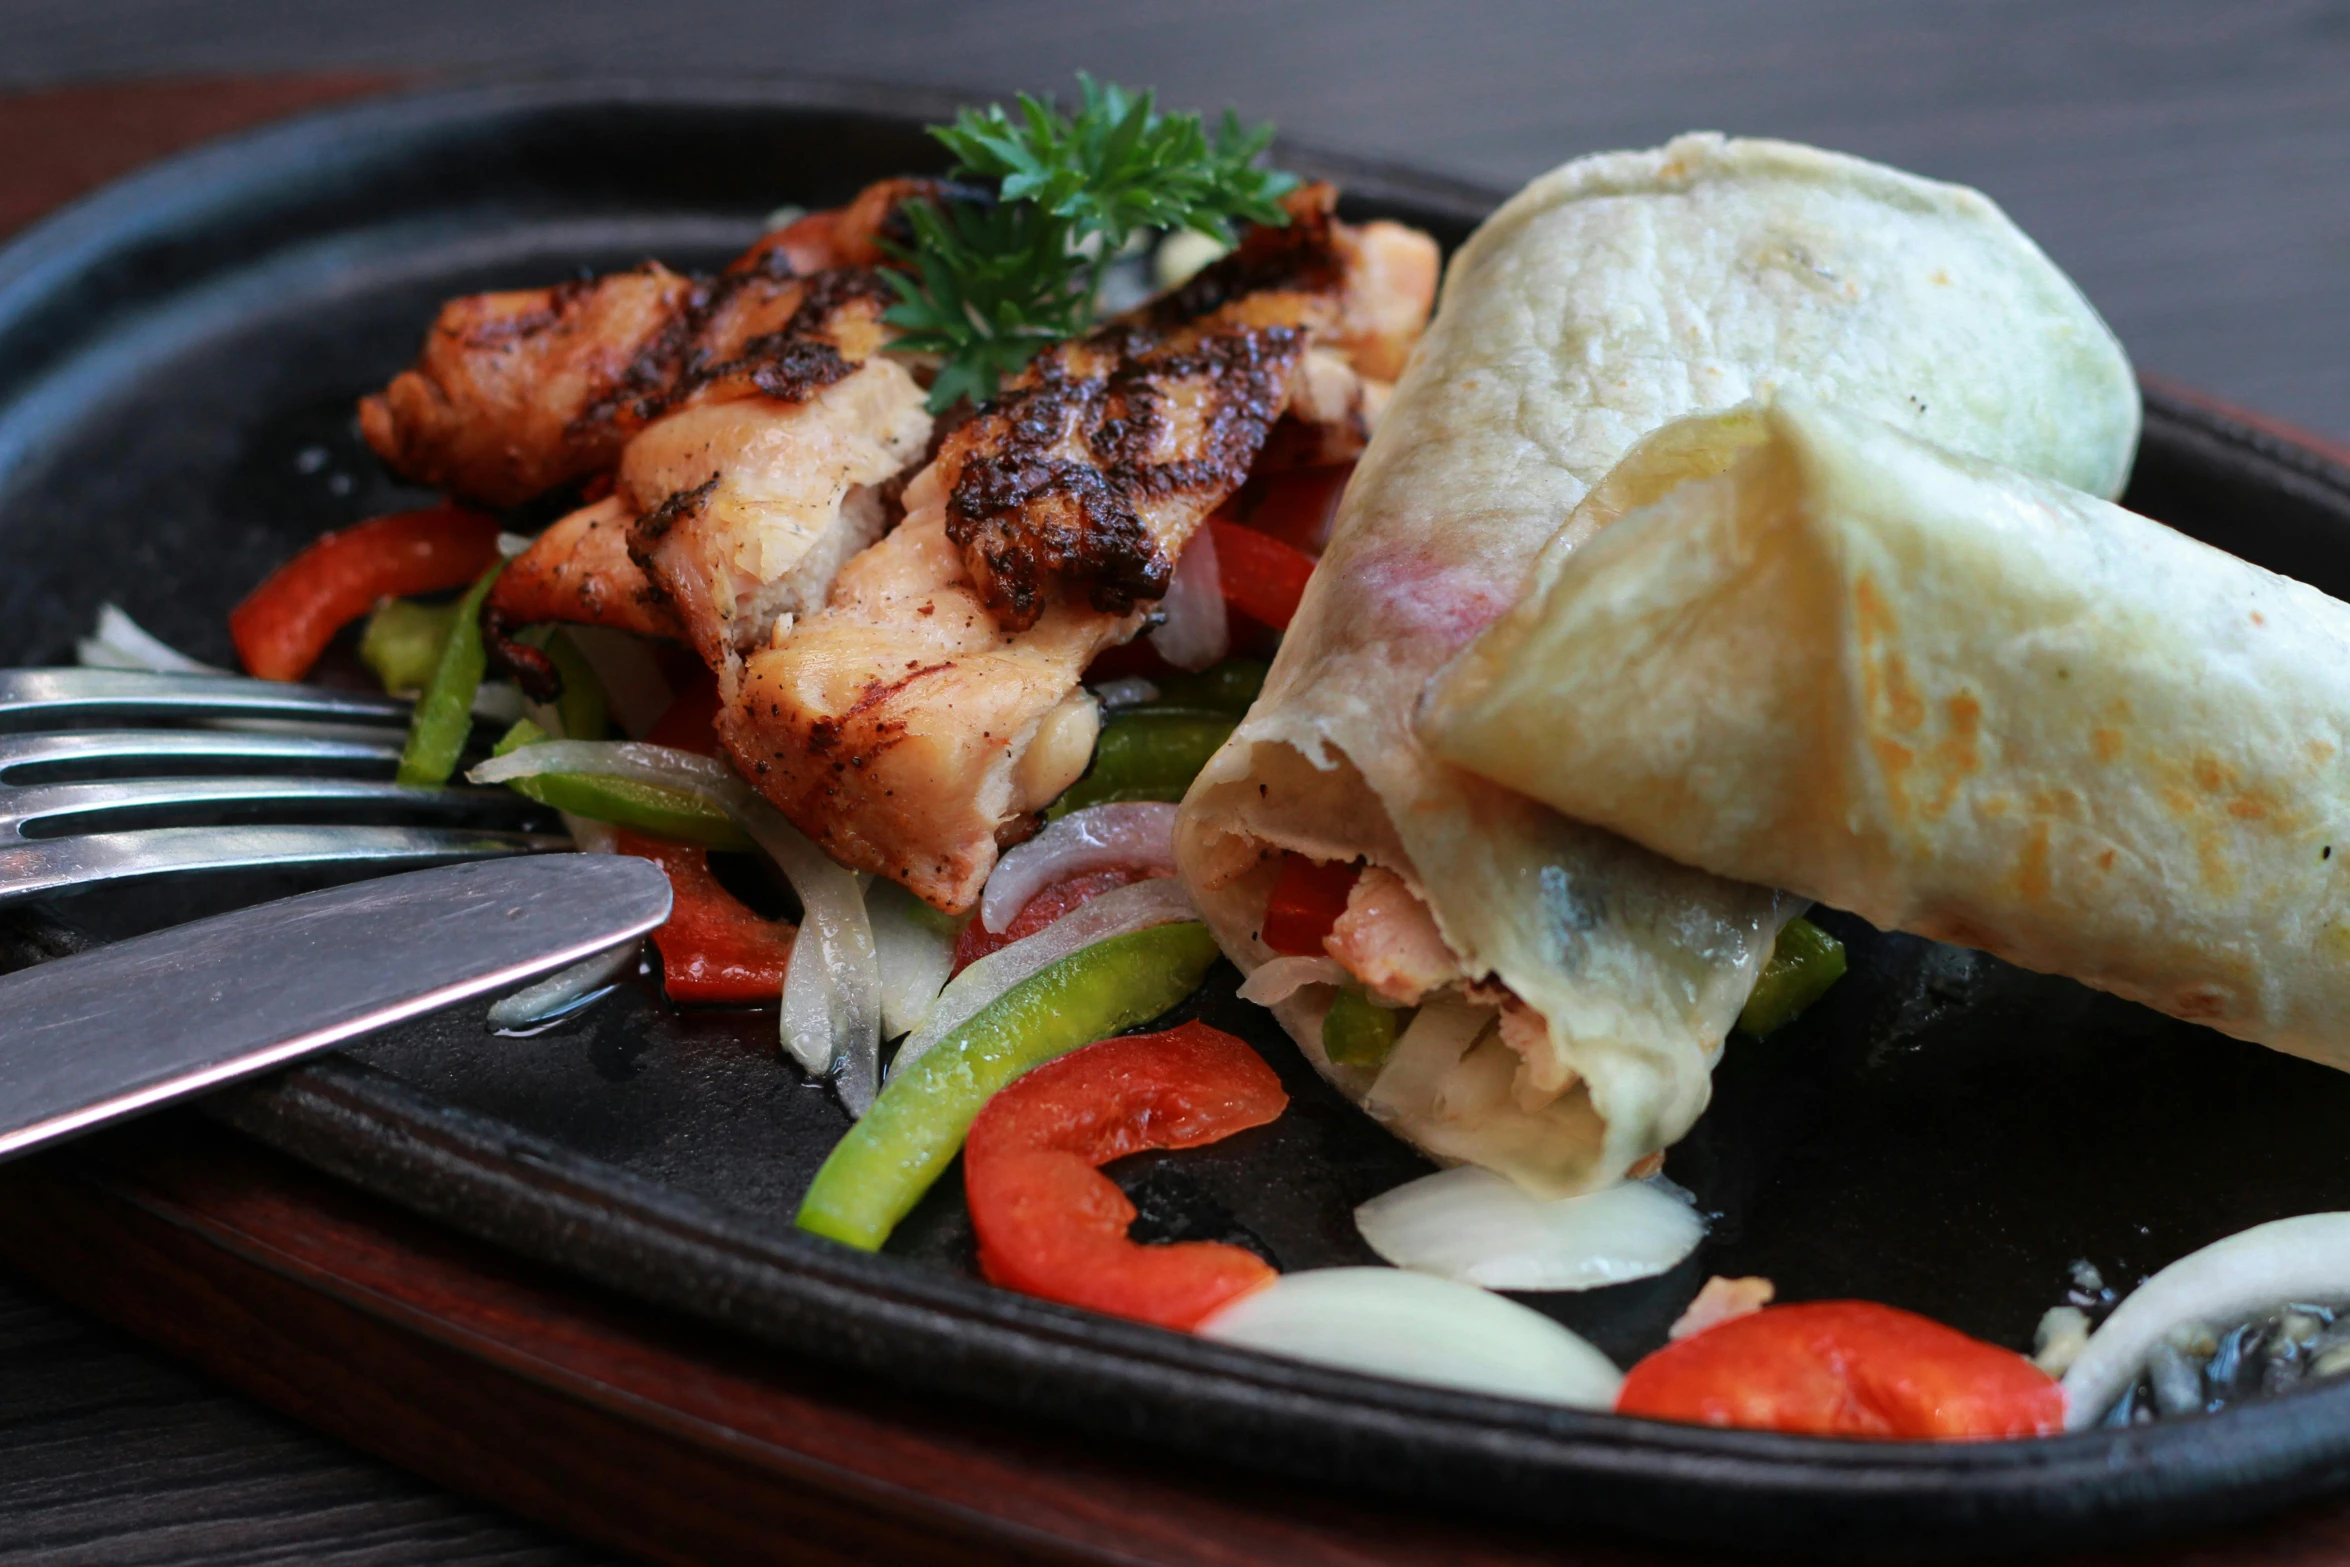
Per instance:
{"type": "Point", "coordinates": [402, 642]}
{"type": "Point", "coordinates": [443, 720]}
{"type": "Point", "coordinates": [580, 709]}
{"type": "Point", "coordinates": [1228, 687]}
{"type": "Point", "coordinates": [625, 802]}
{"type": "Point", "coordinates": [1146, 756]}
{"type": "Point", "coordinates": [1358, 1031]}
{"type": "Point", "coordinates": [876, 1174]}
{"type": "Point", "coordinates": [1806, 961]}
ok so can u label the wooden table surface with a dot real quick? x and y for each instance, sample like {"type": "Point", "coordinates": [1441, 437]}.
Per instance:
{"type": "Point", "coordinates": [2189, 163]}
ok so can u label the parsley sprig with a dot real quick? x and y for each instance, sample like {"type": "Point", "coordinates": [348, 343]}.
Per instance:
{"type": "Point", "coordinates": [987, 288]}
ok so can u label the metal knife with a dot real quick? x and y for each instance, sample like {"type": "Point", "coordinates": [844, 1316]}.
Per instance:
{"type": "Point", "coordinates": [89, 1039]}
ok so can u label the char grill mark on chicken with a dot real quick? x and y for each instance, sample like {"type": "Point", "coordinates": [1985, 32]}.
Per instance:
{"type": "Point", "coordinates": [767, 462]}
{"type": "Point", "coordinates": [1087, 476]}
{"type": "Point", "coordinates": [517, 392]}
{"type": "Point", "coordinates": [918, 722]}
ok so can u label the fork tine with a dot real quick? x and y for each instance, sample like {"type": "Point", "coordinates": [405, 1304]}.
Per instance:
{"type": "Point", "coordinates": [28, 870]}
{"type": "Point", "coordinates": [41, 802]}
{"type": "Point", "coordinates": [163, 747]}
{"type": "Point", "coordinates": [52, 694]}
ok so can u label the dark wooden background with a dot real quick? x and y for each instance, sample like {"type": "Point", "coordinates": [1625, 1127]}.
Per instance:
{"type": "Point", "coordinates": [2187, 160]}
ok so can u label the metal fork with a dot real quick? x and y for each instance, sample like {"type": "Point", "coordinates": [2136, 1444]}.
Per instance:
{"type": "Point", "coordinates": [56, 836]}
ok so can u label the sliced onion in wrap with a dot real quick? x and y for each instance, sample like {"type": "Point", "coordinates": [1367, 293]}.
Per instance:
{"type": "Point", "coordinates": [1956, 700]}
{"type": "Point", "coordinates": [1285, 977]}
{"type": "Point", "coordinates": [1606, 300]}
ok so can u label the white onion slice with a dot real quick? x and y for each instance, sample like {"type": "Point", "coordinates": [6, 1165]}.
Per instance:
{"type": "Point", "coordinates": [706, 776]}
{"type": "Point", "coordinates": [1135, 906]}
{"type": "Point", "coordinates": [913, 953]}
{"type": "Point", "coordinates": [589, 836]}
{"type": "Point", "coordinates": [831, 1012]}
{"type": "Point", "coordinates": [511, 545]}
{"type": "Point", "coordinates": [1416, 1328]}
{"type": "Point", "coordinates": [1280, 978]}
{"type": "Point", "coordinates": [1484, 1229]}
{"type": "Point", "coordinates": [1134, 832]}
{"type": "Point", "coordinates": [1441, 1032]}
{"type": "Point", "coordinates": [2252, 1271]}
{"type": "Point", "coordinates": [563, 991]}
{"type": "Point", "coordinates": [120, 642]}
{"type": "Point", "coordinates": [1196, 632]}
{"type": "Point", "coordinates": [500, 701]}
{"type": "Point", "coordinates": [635, 690]}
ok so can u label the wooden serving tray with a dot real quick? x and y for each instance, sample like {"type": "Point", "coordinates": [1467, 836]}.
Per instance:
{"type": "Point", "coordinates": [666, 1438]}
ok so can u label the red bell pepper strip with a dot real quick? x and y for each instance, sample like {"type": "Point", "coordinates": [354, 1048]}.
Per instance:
{"type": "Point", "coordinates": [1844, 1368]}
{"type": "Point", "coordinates": [1306, 903]}
{"type": "Point", "coordinates": [712, 947]}
{"type": "Point", "coordinates": [1263, 577]}
{"type": "Point", "coordinates": [1295, 505]}
{"type": "Point", "coordinates": [976, 941]}
{"type": "Point", "coordinates": [1051, 1224]}
{"type": "Point", "coordinates": [690, 721]}
{"type": "Point", "coordinates": [284, 624]}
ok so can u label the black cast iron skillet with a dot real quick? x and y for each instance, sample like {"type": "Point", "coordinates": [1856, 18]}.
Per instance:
{"type": "Point", "coordinates": [178, 361]}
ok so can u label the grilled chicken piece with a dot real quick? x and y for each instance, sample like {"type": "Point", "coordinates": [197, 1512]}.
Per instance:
{"type": "Point", "coordinates": [847, 236]}
{"type": "Point", "coordinates": [1389, 941]}
{"type": "Point", "coordinates": [579, 571]}
{"type": "Point", "coordinates": [901, 728]}
{"type": "Point", "coordinates": [1088, 475]}
{"type": "Point", "coordinates": [738, 506]}
{"type": "Point", "coordinates": [515, 393]}
{"type": "Point", "coordinates": [934, 704]}
{"type": "Point", "coordinates": [1086, 478]}
{"type": "Point", "coordinates": [752, 504]}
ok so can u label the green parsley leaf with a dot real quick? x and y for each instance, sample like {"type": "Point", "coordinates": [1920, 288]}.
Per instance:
{"type": "Point", "coordinates": [988, 288]}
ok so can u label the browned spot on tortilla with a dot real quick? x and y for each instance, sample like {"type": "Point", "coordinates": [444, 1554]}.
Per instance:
{"type": "Point", "coordinates": [2105, 860]}
{"type": "Point", "coordinates": [2202, 1003]}
{"type": "Point", "coordinates": [2211, 852]}
{"type": "Point", "coordinates": [2210, 774]}
{"type": "Point", "coordinates": [2107, 743]}
{"type": "Point", "coordinates": [1955, 757]}
{"type": "Point", "coordinates": [2031, 872]}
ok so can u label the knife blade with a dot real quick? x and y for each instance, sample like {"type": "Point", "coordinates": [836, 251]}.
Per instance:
{"type": "Point", "coordinates": [105, 1034]}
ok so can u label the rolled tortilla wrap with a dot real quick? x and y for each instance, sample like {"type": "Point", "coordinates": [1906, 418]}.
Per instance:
{"type": "Point", "coordinates": [1607, 299]}
{"type": "Point", "coordinates": [1956, 700]}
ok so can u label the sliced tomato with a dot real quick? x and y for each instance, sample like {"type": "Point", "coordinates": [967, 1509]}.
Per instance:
{"type": "Point", "coordinates": [1263, 577]}
{"type": "Point", "coordinates": [713, 947]}
{"type": "Point", "coordinates": [1062, 897]}
{"type": "Point", "coordinates": [1051, 1224]}
{"type": "Point", "coordinates": [1844, 1368]}
{"type": "Point", "coordinates": [1306, 903]}
{"type": "Point", "coordinates": [286, 622]}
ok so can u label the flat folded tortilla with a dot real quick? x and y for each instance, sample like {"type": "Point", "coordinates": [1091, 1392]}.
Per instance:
{"type": "Point", "coordinates": [1956, 700]}
{"type": "Point", "coordinates": [1607, 299]}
